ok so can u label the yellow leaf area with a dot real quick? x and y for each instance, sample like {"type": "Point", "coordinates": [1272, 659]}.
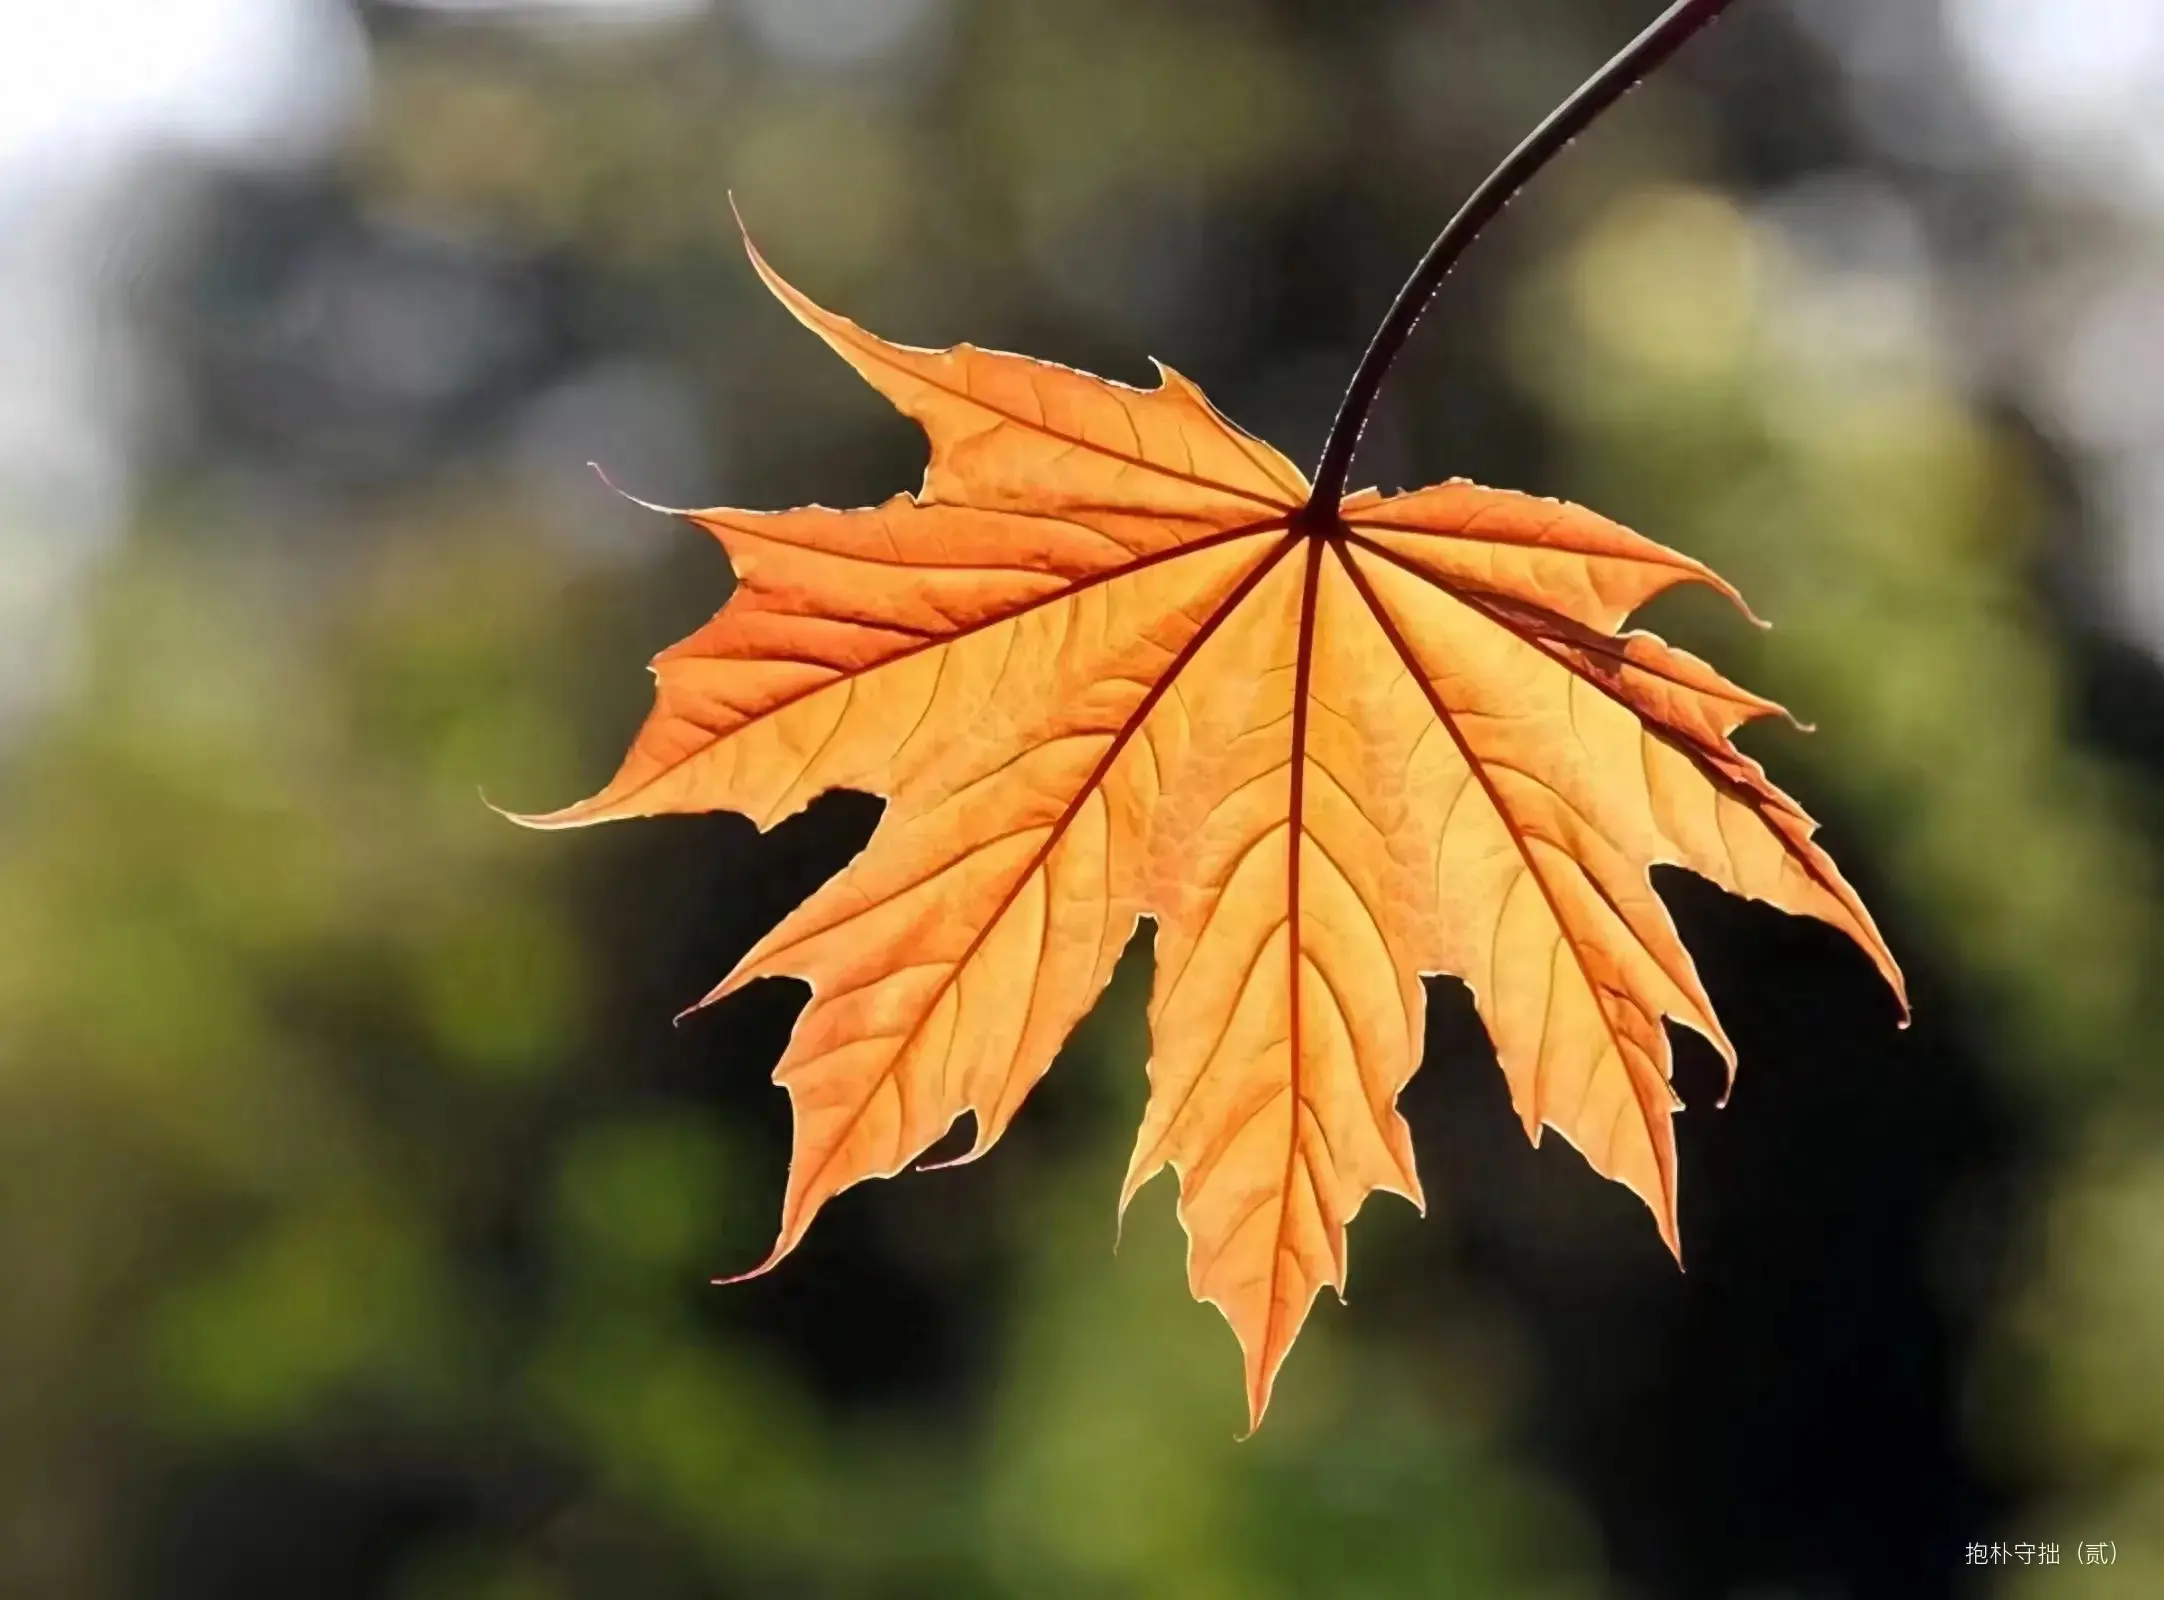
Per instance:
{"type": "Point", "coordinates": [1105, 665]}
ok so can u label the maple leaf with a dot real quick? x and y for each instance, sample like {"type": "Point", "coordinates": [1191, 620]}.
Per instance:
{"type": "Point", "coordinates": [1107, 664]}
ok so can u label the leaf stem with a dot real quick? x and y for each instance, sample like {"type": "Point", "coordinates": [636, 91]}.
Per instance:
{"type": "Point", "coordinates": [1644, 55]}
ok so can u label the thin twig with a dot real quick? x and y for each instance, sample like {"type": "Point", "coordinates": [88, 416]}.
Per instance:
{"type": "Point", "coordinates": [1640, 58]}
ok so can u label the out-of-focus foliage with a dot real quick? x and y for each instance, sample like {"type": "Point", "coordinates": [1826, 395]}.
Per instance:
{"type": "Point", "coordinates": [356, 1204]}
{"type": "Point", "coordinates": [1709, 370]}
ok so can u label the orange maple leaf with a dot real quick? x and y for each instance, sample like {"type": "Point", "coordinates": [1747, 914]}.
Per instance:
{"type": "Point", "coordinates": [1107, 664]}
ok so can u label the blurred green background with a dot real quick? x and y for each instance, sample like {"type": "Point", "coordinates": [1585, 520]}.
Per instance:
{"type": "Point", "coordinates": [358, 1200]}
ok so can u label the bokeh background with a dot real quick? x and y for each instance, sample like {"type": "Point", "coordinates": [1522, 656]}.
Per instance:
{"type": "Point", "coordinates": [358, 1199]}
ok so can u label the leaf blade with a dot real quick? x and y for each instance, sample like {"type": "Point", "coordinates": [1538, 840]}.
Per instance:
{"type": "Point", "coordinates": [1105, 664]}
